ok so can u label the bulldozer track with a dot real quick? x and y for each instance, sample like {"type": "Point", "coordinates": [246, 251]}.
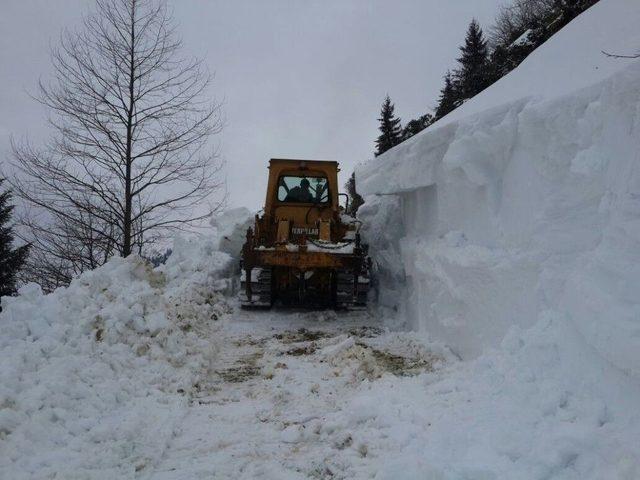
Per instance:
{"type": "Point", "coordinates": [261, 296]}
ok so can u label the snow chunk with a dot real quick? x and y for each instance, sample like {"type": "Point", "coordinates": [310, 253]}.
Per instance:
{"type": "Point", "coordinates": [93, 375]}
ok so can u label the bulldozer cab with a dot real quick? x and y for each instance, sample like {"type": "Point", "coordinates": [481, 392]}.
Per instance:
{"type": "Point", "coordinates": [302, 191]}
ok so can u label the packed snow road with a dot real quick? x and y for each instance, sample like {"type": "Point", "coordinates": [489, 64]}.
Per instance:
{"type": "Point", "coordinates": [274, 404]}
{"type": "Point", "coordinates": [137, 373]}
{"type": "Point", "coordinates": [298, 395]}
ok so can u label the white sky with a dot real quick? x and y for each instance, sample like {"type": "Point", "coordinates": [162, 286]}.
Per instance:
{"type": "Point", "coordinates": [299, 79]}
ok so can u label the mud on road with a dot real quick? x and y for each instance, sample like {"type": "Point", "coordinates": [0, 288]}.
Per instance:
{"type": "Point", "coordinates": [308, 342]}
{"type": "Point", "coordinates": [272, 406]}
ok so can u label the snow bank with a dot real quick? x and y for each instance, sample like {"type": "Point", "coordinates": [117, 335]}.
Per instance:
{"type": "Point", "coordinates": [230, 229]}
{"type": "Point", "coordinates": [510, 230]}
{"type": "Point", "coordinates": [529, 410]}
{"type": "Point", "coordinates": [93, 377]}
{"type": "Point", "coordinates": [528, 206]}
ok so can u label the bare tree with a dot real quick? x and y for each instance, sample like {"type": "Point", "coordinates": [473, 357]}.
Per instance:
{"type": "Point", "coordinates": [64, 246]}
{"type": "Point", "coordinates": [515, 18]}
{"type": "Point", "coordinates": [130, 159]}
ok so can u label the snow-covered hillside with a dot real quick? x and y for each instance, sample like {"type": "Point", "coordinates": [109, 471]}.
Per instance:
{"type": "Point", "coordinates": [524, 200]}
{"type": "Point", "coordinates": [510, 230]}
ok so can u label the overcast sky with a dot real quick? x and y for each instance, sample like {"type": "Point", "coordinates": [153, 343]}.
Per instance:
{"type": "Point", "coordinates": [299, 79]}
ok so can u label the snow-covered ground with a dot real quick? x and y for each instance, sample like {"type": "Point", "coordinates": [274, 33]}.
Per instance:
{"type": "Point", "coordinates": [215, 392]}
{"type": "Point", "coordinates": [138, 373]}
{"type": "Point", "coordinates": [506, 239]}
{"type": "Point", "coordinates": [288, 400]}
{"type": "Point", "coordinates": [334, 396]}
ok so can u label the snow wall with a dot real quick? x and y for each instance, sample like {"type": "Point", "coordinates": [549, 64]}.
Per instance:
{"type": "Point", "coordinates": [492, 218]}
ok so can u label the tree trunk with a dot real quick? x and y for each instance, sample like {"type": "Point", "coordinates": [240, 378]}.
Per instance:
{"type": "Point", "coordinates": [126, 246]}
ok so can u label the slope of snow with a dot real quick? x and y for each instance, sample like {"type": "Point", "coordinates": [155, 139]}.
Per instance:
{"type": "Point", "coordinates": [529, 410]}
{"type": "Point", "coordinates": [93, 377]}
{"type": "Point", "coordinates": [230, 230]}
{"type": "Point", "coordinates": [510, 230]}
{"type": "Point", "coordinates": [572, 59]}
{"type": "Point", "coordinates": [528, 206]}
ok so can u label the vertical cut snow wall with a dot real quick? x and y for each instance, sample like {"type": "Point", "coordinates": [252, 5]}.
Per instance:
{"type": "Point", "coordinates": [488, 221]}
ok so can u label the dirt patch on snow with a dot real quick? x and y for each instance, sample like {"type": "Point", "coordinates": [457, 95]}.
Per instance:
{"type": "Point", "coordinates": [365, 332]}
{"type": "Point", "coordinates": [308, 349]}
{"type": "Point", "coordinates": [250, 342]}
{"type": "Point", "coordinates": [239, 373]}
{"type": "Point", "coordinates": [356, 347]}
{"type": "Point", "coordinates": [302, 335]}
{"type": "Point", "coordinates": [362, 360]}
{"type": "Point", "coordinates": [243, 370]}
{"type": "Point", "coordinates": [399, 365]}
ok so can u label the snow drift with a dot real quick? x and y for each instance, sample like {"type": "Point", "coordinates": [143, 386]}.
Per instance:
{"type": "Point", "coordinates": [93, 377]}
{"type": "Point", "coordinates": [525, 200]}
{"type": "Point", "coordinates": [510, 230]}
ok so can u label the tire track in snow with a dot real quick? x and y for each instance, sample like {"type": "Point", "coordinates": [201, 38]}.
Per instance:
{"type": "Point", "coordinates": [265, 412]}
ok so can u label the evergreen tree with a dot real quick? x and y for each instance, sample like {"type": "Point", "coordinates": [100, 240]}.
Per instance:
{"type": "Point", "coordinates": [448, 100]}
{"type": "Point", "coordinates": [355, 199]}
{"type": "Point", "coordinates": [11, 260]}
{"type": "Point", "coordinates": [416, 126]}
{"type": "Point", "coordinates": [390, 129]}
{"type": "Point", "coordinates": [500, 63]}
{"type": "Point", "coordinates": [472, 76]}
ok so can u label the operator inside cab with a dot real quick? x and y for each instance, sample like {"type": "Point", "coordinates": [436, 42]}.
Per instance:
{"type": "Point", "coordinates": [295, 189]}
{"type": "Point", "coordinates": [301, 193]}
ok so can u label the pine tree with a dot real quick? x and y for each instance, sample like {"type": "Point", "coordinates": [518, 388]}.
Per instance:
{"type": "Point", "coordinates": [416, 126]}
{"type": "Point", "coordinates": [11, 260]}
{"type": "Point", "coordinates": [448, 100]}
{"type": "Point", "coordinates": [472, 75]}
{"type": "Point", "coordinates": [355, 199]}
{"type": "Point", "coordinates": [390, 129]}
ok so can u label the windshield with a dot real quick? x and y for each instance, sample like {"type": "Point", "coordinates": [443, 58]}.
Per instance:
{"type": "Point", "coordinates": [303, 189]}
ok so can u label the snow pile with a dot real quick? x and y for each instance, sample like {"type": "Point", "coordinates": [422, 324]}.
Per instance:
{"type": "Point", "coordinates": [510, 230]}
{"type": "Point", "coordinates": [93, 377]}
{"type": "Point", "coordinates": [230, 229]}
{"type": "Point", "coordinates": [352, 360]}
{"type": "Point", "coordinates": [528, 206]}
{"type": "Point", "coordinates": [527, 411]}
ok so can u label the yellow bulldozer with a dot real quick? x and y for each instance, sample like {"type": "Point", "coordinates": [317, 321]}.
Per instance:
{"type": "Point", "coordinates": [304, 250]}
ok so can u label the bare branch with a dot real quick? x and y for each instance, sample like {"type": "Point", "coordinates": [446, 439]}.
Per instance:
{"type": "Point", "coordinates": [612, 55]}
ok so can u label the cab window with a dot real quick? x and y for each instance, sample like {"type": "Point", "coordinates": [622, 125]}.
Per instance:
{"type": "Point", "coordinates": [303, 189]}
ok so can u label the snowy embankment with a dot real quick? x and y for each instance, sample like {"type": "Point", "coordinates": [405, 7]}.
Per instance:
{"type": "Point", "coordinates": [510, 207]}
{"type": "Point", "coordinates": [510, 230]}
{"type": "Point", "coordinates": [95, 377]}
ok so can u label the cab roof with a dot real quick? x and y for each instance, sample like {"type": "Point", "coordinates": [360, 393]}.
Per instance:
{"type": "Point", "coordinates": [297, 162]}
